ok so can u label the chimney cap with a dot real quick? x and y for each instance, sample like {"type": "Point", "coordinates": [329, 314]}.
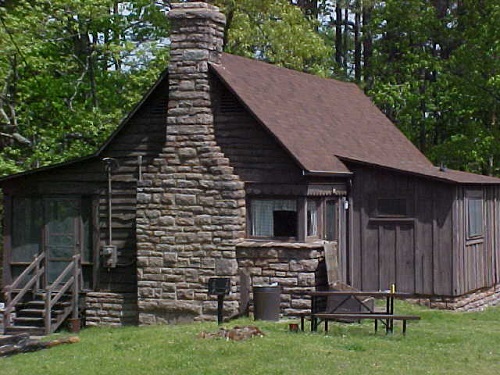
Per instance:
{"type": "Point", "coordinates": [196, 9]}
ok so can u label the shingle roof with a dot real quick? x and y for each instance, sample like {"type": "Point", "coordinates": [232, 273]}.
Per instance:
{"type": "Point", "coordinates": [323, 122]}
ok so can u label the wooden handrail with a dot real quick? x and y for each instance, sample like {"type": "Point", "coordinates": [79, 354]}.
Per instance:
{"type": "Point", "coordinates": [36, 262]}
{"type": "Point", "coordinates": [37, 267]}
{"type": "Point", "coordinates": [33, 283]}
{"type": "Point", "coordinates": [73, 281]}
{"type": "Point", "coordinates": [62, 275]}
{"type": "Point", "coordinates": [11, 305]}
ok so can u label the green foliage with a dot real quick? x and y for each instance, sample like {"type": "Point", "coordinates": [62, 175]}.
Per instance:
{"type": "Point", "coordinates": [276, 32]}
{"type": "Point", "coordinates": [435, 74]}
{"type": "Point", "coordinates": [70, 70]}
{"type": "Point", "coordinates": [441, 343]}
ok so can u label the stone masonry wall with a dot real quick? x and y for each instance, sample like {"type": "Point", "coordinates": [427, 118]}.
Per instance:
{"type": "Point", "coordinates": [476, 301]}
{"type": "Point", "coordinates": [191, 205]}
{"type": "Point", "coordinates": [110, 309]}
{"type": "Point", "coordinates": [295, 267]}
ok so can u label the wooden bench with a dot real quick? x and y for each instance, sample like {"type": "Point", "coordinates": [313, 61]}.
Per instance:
{"type": "Point", "coordinates": [386, 318]}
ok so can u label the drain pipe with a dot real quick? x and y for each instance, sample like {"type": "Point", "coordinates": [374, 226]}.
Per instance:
{"type": "Point", "coordinates": [109, 251]}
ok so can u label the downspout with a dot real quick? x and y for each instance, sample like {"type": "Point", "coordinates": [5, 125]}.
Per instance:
{"type": "Point", "coordinates": [349, 230]}
{"type": "Point", "coordinates": [109, 251]}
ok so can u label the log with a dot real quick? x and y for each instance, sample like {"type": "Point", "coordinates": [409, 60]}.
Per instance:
{"type": "Point", "coordinates": [14, 340]}
{"type": "Point", "coordinates": [22, 344]}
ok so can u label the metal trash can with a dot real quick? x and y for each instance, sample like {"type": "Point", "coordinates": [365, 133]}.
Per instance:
{"type": "Point", "coordinates": [266, 302]}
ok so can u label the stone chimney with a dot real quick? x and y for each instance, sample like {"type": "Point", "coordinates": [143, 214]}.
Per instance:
{"type": "Point", "coordinates": [190, 203]}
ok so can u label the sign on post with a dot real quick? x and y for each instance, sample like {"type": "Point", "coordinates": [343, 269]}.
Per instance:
{"type": "Point", "coordinates": [220, 287]}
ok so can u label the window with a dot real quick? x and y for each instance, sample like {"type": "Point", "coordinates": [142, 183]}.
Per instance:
{"type": "Point", "coordinates": [274, 218]}
{"type": "Point", "coordinates": [331, 221]}
{"type": "Point", "coordinates": [299, 218]}
{"type": "Point", "coordinates": [474, 216]}
{"type": "Point", "coordinates": [312, 218]}
{"type": "Point", "coordinates": [395, 207]}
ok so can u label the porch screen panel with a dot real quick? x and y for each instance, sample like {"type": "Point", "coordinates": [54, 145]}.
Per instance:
{"type": "Point", "coordinates": [26, 229]}
{"type": "Point", "coordinates": [61, 233]}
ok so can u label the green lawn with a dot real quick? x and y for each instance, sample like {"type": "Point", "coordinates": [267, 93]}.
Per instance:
{"type": "Point", "coordinates": [441, 343]}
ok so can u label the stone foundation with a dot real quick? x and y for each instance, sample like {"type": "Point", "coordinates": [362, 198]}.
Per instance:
{"type": "Point", "coordinates": [295, 267]}
{"type": "Point", "coordinates": [475, 301]}
{"type": "Point", "coordinates": [110, 309]}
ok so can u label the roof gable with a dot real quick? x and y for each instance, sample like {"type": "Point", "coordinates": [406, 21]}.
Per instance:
{"type": "Point", "coordinates": [122, 126]}
{"type": "Point", "coordinates": [308, 113]}
{"type": "Point", "coordinates": [324, 122]}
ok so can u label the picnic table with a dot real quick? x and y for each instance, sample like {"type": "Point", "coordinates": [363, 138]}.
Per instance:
{"type": "Point", "coordinates": [324, 312]}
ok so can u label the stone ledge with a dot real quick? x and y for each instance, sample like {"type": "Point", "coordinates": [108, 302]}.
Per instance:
{"type": "Point", "coordinates": [280, 244]}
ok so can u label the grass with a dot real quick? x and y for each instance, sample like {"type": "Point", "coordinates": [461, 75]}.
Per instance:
{"type": "Point", "coordinates": [441, 343]}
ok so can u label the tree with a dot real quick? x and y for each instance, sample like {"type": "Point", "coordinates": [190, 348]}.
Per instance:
{"type": "Point", "coordinates": [69, 70]}
{"type": "Point", "coordinates": [277, 32]}
{"type": "Point", "coordinates": [404, 69]}
{"type": "Point", "coordinates": [472, 135]}
{"type": "Point", "coordinates": [434, 72]}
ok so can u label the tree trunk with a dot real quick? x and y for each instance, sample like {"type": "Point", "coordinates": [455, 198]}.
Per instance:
{"type": "Point", "coordinates": [345, 41]}
{"type": "Point", "coordinates": [357, 42]}
{"type": "Point", "coordinates": [338, 33]}
{"type": "Point", "coordinates": [367, 43]}
{"type": "Point", "coordinates": [309, 7]}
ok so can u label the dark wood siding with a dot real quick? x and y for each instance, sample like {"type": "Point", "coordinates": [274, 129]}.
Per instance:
{"type": "Point", "coordinates": [252, 151]}
{"type": "Point", "coordinates": [413, 251]}
{"type": "Point", "coordinates": [142, 134]}
{"type": "Point", "coordinates": [476, 259]}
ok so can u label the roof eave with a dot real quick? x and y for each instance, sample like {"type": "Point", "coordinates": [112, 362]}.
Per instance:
{"type": "Point", "coordinates": [444, 179]}
{"type": "Point", "coordinates": [327, 173]}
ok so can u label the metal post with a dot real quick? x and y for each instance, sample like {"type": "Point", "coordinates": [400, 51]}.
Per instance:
{"type": "Point", "coordinates": [314, 322]}
{"type": "Point", "coordinates": [220, 309]}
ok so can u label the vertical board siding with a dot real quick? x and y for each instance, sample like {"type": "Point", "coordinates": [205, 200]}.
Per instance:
{"type": "Point", "coordinates": [424, 239]}
{"type": "Point", "coordinates": [405, 258]}
{"type": "Point", "coordinates": [476, 259]}
{"type": "Point", "coordinates": [388, 256]}
{"type": "Point", "coordinates": [370, 258]}
{"type": "Point", "coordinates": [413, 252]}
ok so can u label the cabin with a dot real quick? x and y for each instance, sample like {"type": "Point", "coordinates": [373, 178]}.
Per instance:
{"type": "Point", "coordinates": [235, 168]}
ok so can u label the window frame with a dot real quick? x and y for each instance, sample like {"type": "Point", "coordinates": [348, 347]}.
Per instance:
{"type": "Point", "coordinates": [250, 217]}
{"type": "Point", "coordinates": [474, 196]}
{"type": "Point", "coordinates": [302, 205]}
{"type": "Point", "coordinates": [379, 214]}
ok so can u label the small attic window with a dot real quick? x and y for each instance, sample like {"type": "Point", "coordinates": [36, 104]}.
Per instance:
{"type": "Point", "coordinates": [229, 104]}
{"type": "Point", "coordinates": [392, 207]}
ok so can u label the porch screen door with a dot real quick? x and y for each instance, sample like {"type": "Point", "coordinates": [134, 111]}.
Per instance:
{"type": "Point", "coordinates": [61, 234]}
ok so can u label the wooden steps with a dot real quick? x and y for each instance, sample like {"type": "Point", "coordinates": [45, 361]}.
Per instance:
{"type": "Point", "coordinates": [29, 316]}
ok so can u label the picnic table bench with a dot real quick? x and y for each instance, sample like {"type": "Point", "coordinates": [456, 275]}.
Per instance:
{"type": "Point", "coordinates": [324, 313]}
{"type": "Point", "coordinates": [386, 319]}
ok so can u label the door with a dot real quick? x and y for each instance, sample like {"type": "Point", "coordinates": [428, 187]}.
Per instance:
{"type": "Point", "coordinates": [335, 226]}
{"type": "Point", "coordinates": [61, 234]}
